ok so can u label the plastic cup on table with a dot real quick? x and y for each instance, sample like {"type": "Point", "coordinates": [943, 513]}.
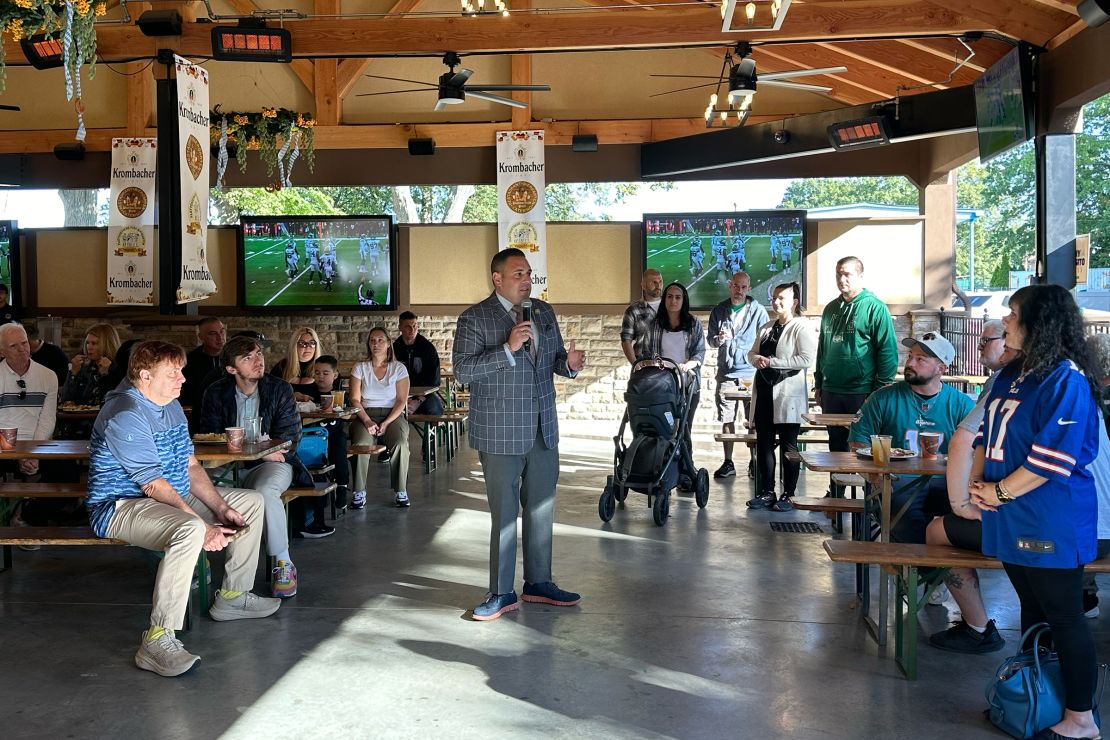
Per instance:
{"type": "Point", "coordinates": [880, 449]}
{"type": "Point", "coordinates": [339, 398]}
{"type": "Point", "coordinates": [253, 429]}
{"type": "Point", "coordinates": [8, 435]}
{"type": "Point", "coordinates": [235, 438]}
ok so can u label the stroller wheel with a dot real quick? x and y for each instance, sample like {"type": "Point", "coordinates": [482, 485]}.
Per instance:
{"type": "Point", "coordinates": [607, 504]}
{"type": "Point", "coordinates": [661, 509]}
{"type": "Point", "coordinates": [701, 488]}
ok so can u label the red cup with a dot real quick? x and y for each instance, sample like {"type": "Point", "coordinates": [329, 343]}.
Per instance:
{"type": "Point", "coordinates": [930, 444]}
{"type": "Point", "coordinates": [8, 435]}
{"type": "Point", "coordinates": [235, 437]}
{"type": "Point", "coordinates": [327, 402]}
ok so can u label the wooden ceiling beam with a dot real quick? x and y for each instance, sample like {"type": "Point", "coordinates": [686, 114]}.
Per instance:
{"type": "Point", "coordinates": [846, 51]}
{"type": "Point", "coordinates": [325, 76]}
{"type": "Point", "coordinates": [941, 54]}
{"type": "Point", "coordinates": [523, 32]}
{"type": "Point", "coordinates": [303, 68]}
{"type": "Point", "coordinates": [1061, 5]}
{"type": "Point", "coordinates": [796, 58]}
{"type": "Point", "coordinates": [521, 74]}
{"type": "Point", "coordinates": [350, 70]}
{"type": "Point", "coordinates": [396, 136]}
{"type": "Point", "coordinates": [1020, 19]}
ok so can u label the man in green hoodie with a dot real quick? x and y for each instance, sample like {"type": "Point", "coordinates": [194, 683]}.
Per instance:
{"type": "Point", "coordinates": [857, 352]}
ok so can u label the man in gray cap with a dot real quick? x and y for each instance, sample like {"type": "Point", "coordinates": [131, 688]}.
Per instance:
{"type": "Point", "coordinates": [920, 403]}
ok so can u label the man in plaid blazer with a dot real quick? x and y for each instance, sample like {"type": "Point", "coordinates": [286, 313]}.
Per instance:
{"type": "Point", "coordinates": [509, 364]}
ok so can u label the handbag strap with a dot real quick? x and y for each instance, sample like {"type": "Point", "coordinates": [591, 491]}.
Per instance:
{"type": "Point", "coordinates": [1037, 630]}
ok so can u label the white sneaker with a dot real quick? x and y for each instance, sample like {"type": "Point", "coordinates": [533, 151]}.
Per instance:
{"type": "Point", "coordinates": [358, 500]}
{"type": "Point", "coordinates": [165, 656]}
{"type": "Point", "coordinates": [244, 606]}
{"type": "Point", "coordinates": [401, 499]}
{"type": "Point", "coordinates": [939, 595]}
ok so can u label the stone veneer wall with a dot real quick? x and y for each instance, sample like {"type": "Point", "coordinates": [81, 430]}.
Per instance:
{"type": "Point", "coordinates": [595, 395]}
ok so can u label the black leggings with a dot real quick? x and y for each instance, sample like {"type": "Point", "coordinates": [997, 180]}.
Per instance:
{"type": "Point", "coordinates": [766, 430]}
{"type": "Point", "coordinates": [1055, 595]}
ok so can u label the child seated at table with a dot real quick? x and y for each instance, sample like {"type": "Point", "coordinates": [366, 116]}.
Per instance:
{"type": "Point", "coordinates": [326, 375]}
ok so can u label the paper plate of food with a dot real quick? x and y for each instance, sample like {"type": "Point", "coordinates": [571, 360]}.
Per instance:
{"type": "Point", "coordinates": [70, 406]}
{"type": "Point", "coordinates": [896, 453]}
{"type": "Point", "coordinates": [210, 438]}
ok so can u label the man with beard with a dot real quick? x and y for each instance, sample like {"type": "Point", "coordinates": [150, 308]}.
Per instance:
{"type": "Point", "coordinates": [639, 316]}
{"type": "Point", "coordinates": [920, 403]}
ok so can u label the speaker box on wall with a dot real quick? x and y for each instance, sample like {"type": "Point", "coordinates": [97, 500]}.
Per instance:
{"type": "Point", "coordinates": [584, 143]}
{"type": "Point", "coordinates": [70, 152]}
{"type": "Point", "coordinates": [422, 147]}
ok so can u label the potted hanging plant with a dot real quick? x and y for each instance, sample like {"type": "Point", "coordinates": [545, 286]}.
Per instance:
{"type": "Point", "coordinates": [72, 22]}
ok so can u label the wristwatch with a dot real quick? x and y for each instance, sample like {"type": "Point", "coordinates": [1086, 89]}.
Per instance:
{"type": "Point", "coordinates": [1001, 494]}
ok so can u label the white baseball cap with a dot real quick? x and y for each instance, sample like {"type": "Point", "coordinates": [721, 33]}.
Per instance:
{"type": "Point", "coordinates": [935, 345]}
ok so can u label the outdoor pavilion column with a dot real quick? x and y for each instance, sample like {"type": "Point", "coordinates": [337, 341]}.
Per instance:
{"type": "Point", "coordinates": [1055, 170]}
{"type": "Point", "coordinates": [937, 203]}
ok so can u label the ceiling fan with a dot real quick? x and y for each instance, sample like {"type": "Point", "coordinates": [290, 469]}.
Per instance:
{"type": "Point", "coordinates": [739, 74]}
{"type": "Point", "coordinates": [453, 89]}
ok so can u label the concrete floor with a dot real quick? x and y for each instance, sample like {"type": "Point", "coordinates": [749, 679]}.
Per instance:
{"type": "Point", "coordinates": [712, 626]}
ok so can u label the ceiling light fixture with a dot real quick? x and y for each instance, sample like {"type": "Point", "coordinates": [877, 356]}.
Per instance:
{"type": "Point", "coordinates": [474, 8]}
{"type": "Point", "coordinates": [759, 15]}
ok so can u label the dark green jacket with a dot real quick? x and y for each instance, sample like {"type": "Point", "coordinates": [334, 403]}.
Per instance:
{"type": "Point", "coordinates": [858, 349]}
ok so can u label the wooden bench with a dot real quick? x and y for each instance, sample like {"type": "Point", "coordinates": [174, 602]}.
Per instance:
{"type": "Point", "coordinates": [436, 429]}
{"type": "Point", "coordinates": [321, 488]}
{"type": "Point", "coordinates": [902, 560]}
{"type": "Point", "coordinates": [39, 536]}
{"type": "Point", "coordinates": [43, 490]}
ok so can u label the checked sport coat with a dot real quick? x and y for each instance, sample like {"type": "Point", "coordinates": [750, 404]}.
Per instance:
{"type": "Point", "coordinates": [507, 401]}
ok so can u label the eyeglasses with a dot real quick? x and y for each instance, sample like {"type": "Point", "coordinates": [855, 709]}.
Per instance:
{"type": "Point", "coordinates": [307, 345]}
{"type": "Point", "coordinates": [984, 341]}
{"type": "Point", "coordinates": [930, 336]}
{"type": "Point", "coordinates": [22, 389]}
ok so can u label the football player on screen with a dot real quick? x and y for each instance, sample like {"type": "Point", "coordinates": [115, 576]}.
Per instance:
{"type": "Point", "coordinates": [365, 294]}
{"type": "Point", "coordinates": [292, 260]}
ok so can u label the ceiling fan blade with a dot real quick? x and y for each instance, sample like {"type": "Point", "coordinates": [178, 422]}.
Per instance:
{"type": "Point", "coordinates": [391, 92]}
{"type": "Point", "coordinates": [533, 88]}
{"type": "Point", "coordinates": [460, 77]}
{"type": "Point", "coordinates": [9, 107]}
{"type": "Point", "coordinates": [496, 99]}
{"type": "Point", "coordinates": [802, 73]}
{"type": "Point", "coordinates": [402, 79]}
{"type": "Point", "coordinates": [684, 89]}
{"type": "Point", "coordinates": [796, 86]}
{"type": "Point", "coordinates": [440, 105]}
{"type": "Point", "coordinates": [745, 67]}
{"type": "Point", "coordinates": [693, 77]}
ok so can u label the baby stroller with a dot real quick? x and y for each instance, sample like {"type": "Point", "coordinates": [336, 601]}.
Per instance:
{"type": "Point", "coordinates": [659, 410]}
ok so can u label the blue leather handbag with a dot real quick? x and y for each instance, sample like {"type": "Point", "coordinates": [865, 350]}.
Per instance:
{"type": "Point", "coordinates": [1026, 694]}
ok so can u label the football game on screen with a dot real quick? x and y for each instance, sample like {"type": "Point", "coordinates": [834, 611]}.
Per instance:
{"type": "Point", "coordinates": [317, 262]}
{"type": "Point", "coordinates": [702, 251]}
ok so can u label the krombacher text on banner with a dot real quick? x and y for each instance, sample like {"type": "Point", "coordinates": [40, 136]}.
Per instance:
{"type": "Point", "coordinates": [193, 142]}
{"type": "Point", "coordinates": [131, 222]}
{"type": "Point", "coordinates": [521, 208]}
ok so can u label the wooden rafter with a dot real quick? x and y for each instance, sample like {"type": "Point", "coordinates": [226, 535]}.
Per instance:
{"type": "Point", "coordinates": [325, 76]}
{"type": "Point", "coordinates": [1060, 5]}
{"type": "Point", "coordinates": [796, 58]}
{"type": "Point", "coordinates": [303, 68]}
{"type": "Point", "coordinates": [846, 51]}
{"type": "Point", "coordinates": [1067, 34]}
{"type": "Point", "coordinates": [350, 70]}
{"type": "Point", "coordinates": [1027, 20]}
{"type": "Point", "coordinates": [522, 32]}
{"type": "Point", "coordinates": [521, 74]}
{"type": "Point", "coordinates": [841, 92]}
{"type": "Point", "coordinates": [939, 53]}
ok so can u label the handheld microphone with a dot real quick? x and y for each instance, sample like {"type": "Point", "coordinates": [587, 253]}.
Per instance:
{"type": "Point", "coordinates": [526, 315]}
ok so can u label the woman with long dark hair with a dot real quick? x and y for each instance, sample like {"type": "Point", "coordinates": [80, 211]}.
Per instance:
{"type": "Point", "coordinates": [1030, 479]}
{"type": "Point", "coordinates": [785, 349]}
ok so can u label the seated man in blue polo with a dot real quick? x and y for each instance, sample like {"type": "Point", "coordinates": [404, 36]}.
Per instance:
{"type": "Point", "coordinates": [147, 488]}
{"type": "Point", "coordinates": [920, 403]}
{"type": "Point", "coordinates": [246, 392]}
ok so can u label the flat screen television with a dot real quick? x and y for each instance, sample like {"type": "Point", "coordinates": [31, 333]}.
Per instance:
{"type": "Point", "coordinates": [703, 250]}
{"type": "Point", "coordinates": [9, 261]}
{"type": "Point", "coordinates": [317, 263]}
{"type": "Point", "coordinates": [1004, 103]}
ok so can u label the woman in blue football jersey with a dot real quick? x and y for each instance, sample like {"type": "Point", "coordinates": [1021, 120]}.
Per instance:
{"type": "Point", "coordinates": [1030, 478]}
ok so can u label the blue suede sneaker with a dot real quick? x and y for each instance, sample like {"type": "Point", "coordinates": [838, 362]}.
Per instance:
{"type": "Point", "coordinates": [495, 605]}
{"type": "Point", "coordinates": [549, 593]}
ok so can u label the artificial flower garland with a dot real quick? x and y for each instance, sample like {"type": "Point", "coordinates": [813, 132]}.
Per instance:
{"type": "Point", "coordinates": [280, 136]}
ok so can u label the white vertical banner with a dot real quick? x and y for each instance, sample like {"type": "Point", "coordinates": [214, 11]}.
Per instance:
{"type": "Point", "coordinates": [131, 222]}
{"type": "Point", "coordinates": [521, 207]}
{"type": "Point", "coordinates": [194, 145]}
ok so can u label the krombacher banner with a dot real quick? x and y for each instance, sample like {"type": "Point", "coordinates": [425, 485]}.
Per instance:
{"type": "Point", "coordinates": [521, 208]}
{"type": "Point", "coordinates": [131, 222]}
{"type": "Point", "coordinates": [193, 143]}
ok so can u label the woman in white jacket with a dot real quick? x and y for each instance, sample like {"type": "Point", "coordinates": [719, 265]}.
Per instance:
{"type": "Point", "coordinates": [785, 349]}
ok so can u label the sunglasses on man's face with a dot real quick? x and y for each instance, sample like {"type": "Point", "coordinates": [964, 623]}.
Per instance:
{"type": "Point", "coordinates": [22, 389]}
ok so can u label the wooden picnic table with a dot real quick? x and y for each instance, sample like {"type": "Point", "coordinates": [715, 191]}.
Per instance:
{"type": "Point", "coordinates": [422, 390]}
{"type": "Point", "coordinates": [216, 453]}
{"type": "Point", "coordinates": [342, 414]}
{"type": "Point", "coordinates": [77, 414]}
{"type": "Point", "coordinates": [849, 462]}
{"type": "Point", "coordinates": [53, 449]}
{"type": "Point", "coordinates": [830, 420]}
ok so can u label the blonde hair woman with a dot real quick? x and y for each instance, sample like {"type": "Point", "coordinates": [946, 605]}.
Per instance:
{"type": "Point", "coordinates": [300, 363]}
{"type": "Point", "coordinates": [91, 370]}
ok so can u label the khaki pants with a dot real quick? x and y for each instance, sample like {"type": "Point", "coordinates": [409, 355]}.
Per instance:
{"type": "Point", "coordinates": [156, 526]}
{"type": "Point", "coordinates": [396, 440]}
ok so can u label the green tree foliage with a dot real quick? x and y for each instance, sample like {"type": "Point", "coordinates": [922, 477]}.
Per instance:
{"type": "Point", "coordinates": [887, 191]}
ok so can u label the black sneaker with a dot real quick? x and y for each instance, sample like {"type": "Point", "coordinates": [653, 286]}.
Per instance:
{"type": "Point", "coordinates": [762, 501]}
{"type": "Point", "coordinates": [727, 470]}
{"type": "Point", "coordinates": [384, 457]}
{"type": "Point", "coordinates": [1090, 605]}
{"type": "Point", "coordinates": [316, 530]}
{"type": "Point", "coordinates": [783, 504]}
{"type": "Point", "coordinates": [959, 638]}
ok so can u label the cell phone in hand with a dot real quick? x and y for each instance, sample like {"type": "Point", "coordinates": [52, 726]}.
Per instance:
{"type": "Point", "coordinates": [238, 530]}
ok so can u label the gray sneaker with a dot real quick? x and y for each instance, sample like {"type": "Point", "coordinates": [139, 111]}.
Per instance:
{"type": "Point", "coordinates": [165, 656]}
{"type": "Point", "coordinates": [244, 606]}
